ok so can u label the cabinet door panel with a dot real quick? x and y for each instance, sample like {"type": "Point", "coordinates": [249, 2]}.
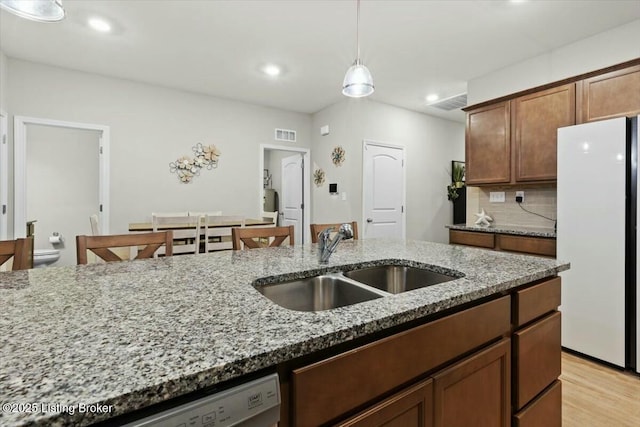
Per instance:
{"type": "Point", "coordinates": [412, 407]}
{"type": "Point", "coordinates": [537, 119]}
{"type": "Point", "coordinates": [614, 94]}
{"type": "Point", "coordinates": [472, 238]}
{"type": "Point", "coordinates": [488, 145]}
{"type": "Point", "coordinates": [476, 391]}
{"type": "Point", "coordinates": [537, 351]}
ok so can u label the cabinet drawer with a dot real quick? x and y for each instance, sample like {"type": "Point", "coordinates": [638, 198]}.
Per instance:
{"type": "Point", "coordinates": [530, 245]}
{"type": "Point", "coordinates": [544, 411]}
{"type": "Point", "coordinates": [472, 238]}
{"type": "Point", "coordinates": [412, 407]}
{"type": "Point", "coordinates": [328, 389]}
{"type": "Point", "coordinates": [537, 358]}
{"type": "Point", "coordinates": [536, 301]}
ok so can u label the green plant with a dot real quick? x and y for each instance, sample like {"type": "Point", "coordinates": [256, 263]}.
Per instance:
{"type": "Point", "coordinates": [452, 191]}
{"type": "Point", "coordinates": [457, 172]}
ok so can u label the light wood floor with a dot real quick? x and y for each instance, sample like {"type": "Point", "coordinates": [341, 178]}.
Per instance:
{"type": "Point", "coordinates": [598, 396]}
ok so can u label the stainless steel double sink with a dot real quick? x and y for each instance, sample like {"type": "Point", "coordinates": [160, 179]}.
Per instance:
{"type": "Point", "coordinates": [332, 290]}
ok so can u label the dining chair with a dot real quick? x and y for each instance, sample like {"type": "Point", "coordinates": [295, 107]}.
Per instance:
{"type": "Point", "coordinates": [317, 228]}
{"type": "Point", "coordinates": [95, 225]}
{"type": "Point", "coordinates": [21, 250]}
{"type": "Point", "coordinates": [246, 237]}
{"type": "Point", "coordinates": [181, 213]}
{"type": "Point", "coordinates": [212, 213]}
{"type": "Point", "coordinates": [186, 233]}
{"type": "Point", "coordinates": [273, 216]}
{"type": "Point", "coordinates": [217, 231]}
{"type": "Point", "coordinates": [101, 245]}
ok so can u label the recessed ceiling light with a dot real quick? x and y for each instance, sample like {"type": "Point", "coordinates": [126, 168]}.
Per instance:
{"type": "Point", "coordinates": [100, 25]}
{"type": "Point", "coordinates": [271, 70]}
{"type": "Point", "coordinates": [432, 97]}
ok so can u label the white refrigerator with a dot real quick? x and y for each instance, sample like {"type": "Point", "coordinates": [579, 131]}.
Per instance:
{"type": "Point", "coordinates": [596, 232]}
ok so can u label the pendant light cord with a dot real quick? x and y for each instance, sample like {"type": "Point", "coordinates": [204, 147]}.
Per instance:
{"type": "Point", "coordinates": [358, 33]}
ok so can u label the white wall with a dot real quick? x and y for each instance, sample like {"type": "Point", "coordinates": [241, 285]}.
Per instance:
{"type": "Point", "coordinates": [602, 50]}
{"type": "Point", "coordinates": [3, 82]}
{"type": "Point", "coordinates": [430, 145]}
{"type": "Point", "coordinates": [62, 185]}
{"type": "Point", "coordinates": [152, 126]}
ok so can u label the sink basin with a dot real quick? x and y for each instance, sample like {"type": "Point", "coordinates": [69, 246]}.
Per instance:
{"type": "Point", "coordinates": [317, 293]}
{"type": "Point", "coordinates": [395, 279]}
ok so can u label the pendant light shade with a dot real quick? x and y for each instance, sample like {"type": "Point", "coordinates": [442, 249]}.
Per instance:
{"type": "Point", "coordinates": [358, 81]}
{"type": "Point", "coordinates": [35, 10]}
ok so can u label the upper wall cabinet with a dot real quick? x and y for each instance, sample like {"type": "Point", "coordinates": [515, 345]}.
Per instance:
{"type": "Point", "coordinates": [513, 140]}
{"type": "Point", "coordinates": [537, 118]}
{"type": "Point", "coordinates": [488, 145]}
{"type": "Point", "coordinates": [609, 95]}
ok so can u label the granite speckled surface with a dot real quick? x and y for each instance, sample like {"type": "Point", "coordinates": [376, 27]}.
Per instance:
{"type": "Point", "coordinates": [517, 231]}
{"type": "Point", "coordinates": [135, 333]}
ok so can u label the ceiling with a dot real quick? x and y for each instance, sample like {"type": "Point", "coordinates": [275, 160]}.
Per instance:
{"type": "Point", "coordinates": [214, 47]}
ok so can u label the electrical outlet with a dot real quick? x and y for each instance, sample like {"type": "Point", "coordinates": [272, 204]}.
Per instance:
{"type": "Point", "coordinates": [519, 196]}
{"type": "Point", "coordinates": [496, 197]}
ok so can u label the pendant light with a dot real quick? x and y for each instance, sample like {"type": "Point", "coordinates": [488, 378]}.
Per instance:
{"type": "Point", "coordinates": [35, 10]}
{"type": "Point", "coordinates": [358, 81]}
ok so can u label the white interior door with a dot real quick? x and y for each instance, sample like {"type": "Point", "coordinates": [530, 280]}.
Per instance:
{"type": "Point", "coordinates": [383, 190]}
{"type": "Point", "coordinates": [292, 195]}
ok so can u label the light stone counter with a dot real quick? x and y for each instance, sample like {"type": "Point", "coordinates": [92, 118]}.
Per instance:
{"type": "Point", "coordinates": [127, 335]}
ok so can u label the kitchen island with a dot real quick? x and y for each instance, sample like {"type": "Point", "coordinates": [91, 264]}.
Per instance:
{"type": "Point", "coordinates": [123, 336]}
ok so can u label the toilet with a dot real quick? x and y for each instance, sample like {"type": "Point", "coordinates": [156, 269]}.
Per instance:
{"type": "Point", "coordinates": [45, 257]}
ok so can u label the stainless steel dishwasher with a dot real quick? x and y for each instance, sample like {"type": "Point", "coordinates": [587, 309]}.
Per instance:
{"type": "Point", "coordinates": [255, 403]}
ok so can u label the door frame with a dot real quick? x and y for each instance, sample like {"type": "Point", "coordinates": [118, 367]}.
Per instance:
{"type": "Point", "coordinates": [20, 170]}
{"type": "Point", "coordinates": [4, 175]}
{"type": "Point", "coordinates": [369, 142]}
{"type": "Point", "coordinates": [306, 183]}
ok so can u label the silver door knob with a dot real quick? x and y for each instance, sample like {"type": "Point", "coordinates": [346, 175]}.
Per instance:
{"type": "Point", "coordinates": [369, 219]}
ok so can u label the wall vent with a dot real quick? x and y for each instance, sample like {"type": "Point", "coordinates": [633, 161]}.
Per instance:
{"type": "Point", "coordinates": [285, 135]}
{"type": "Point", "coordinates": [452, 103]}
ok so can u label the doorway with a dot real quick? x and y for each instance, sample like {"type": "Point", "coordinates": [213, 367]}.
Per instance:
{"type": "Point", "coordinates": [272, 177]}
{"type": "Point", "coordinates": [383, 190]}
{"type": "Point", "coordinates": [61, 178]}
{"type": "Point", "coordinates": [4, 177]}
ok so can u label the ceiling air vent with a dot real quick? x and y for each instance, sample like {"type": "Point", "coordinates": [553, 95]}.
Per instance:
{"type": "Point", "coordinates": [452, 103]}
{"type": "Point", "coordinates": [285, 135]}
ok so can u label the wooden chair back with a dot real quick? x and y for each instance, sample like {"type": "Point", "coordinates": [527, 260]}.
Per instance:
{"type": "Point", "coordinates": [318, 228]}
{"type": "Point", "coordinates": [21, 250]}
{"type": "Point", "coordinates": [267, 237]}
{"type": "Point", "coordinates": [186, 232]}
{"type": "Point", "coordinates": [101, 245]}
{"type": "Point", "coordinates": [217, 231]}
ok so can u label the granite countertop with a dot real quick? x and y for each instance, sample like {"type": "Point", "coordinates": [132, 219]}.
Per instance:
{"type": "Point", "coordinates": [515, 230]}
{"type": "Point", "coordinates": [127, 335]}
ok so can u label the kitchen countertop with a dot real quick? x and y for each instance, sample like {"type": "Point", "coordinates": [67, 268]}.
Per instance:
{"type": "Point", "coordinates": [515, 230]}
{"type": "Point", "coordinates": [130, 334]}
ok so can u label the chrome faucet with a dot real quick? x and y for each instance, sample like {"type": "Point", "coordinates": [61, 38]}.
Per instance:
{"type": "Point", "coordinates": [326, 246]}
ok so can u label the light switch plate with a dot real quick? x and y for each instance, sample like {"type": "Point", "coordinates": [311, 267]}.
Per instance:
{"type": "Point", "coordinates": [496, 197]}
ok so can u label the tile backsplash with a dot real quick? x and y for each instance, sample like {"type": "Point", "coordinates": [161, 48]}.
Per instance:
{"type": "Point", "coordinates": [539, 199]}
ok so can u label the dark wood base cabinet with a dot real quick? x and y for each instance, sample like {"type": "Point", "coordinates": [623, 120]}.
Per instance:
{"type": "Point", "coordinates": [495, 364]}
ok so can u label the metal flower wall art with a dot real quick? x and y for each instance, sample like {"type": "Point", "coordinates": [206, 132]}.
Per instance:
{"type": "Point", "coordinates": [337, 156]}
{"type": "Point", "coordinates": [204, 157]}
{"type": "Point", "coordinates": [318, 177]}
